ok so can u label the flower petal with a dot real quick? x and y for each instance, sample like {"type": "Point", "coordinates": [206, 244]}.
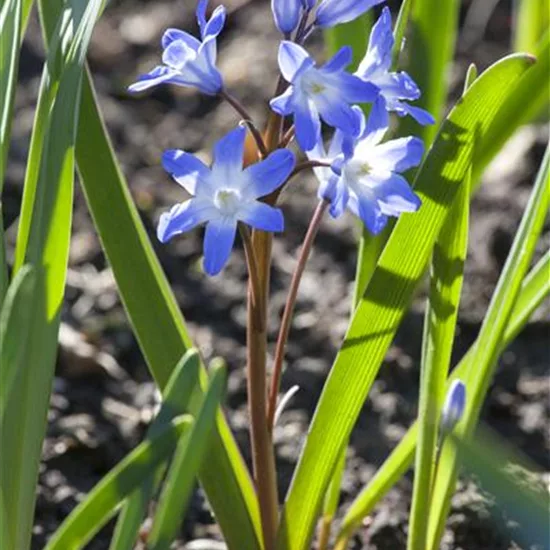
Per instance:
{"type": "Point", "coordinates": [291, 59]}
{"type": "Point", "coordinates": [378, 57]}
{"type": "Point", "coordinates": [421, 116]}
{"type": "Point", "coordinates": [341, 198]}
{"type": "Point", "coordinates": [215, 24]}
{"type": "Point", "coordinates": [399, 155]}
{"type": "Point", "coordinates": [367, 209]}
{"type": "Point", "coordinates": [229, 151]}
{"type": "Point", "coordinates": [334, 12]}
{"type": "Point", "coordinates": [339, 61]}
{"type": "Point", "coordinates": [177, 54]}
{"type": "Point", "coordinates": [286, 14]}
{"type": "Point", "coordinates": [159, 75]}
{"type": "Point", "coordinates": [186, 169]}
{"type": "Point", "coordinates": [337, 113]}
{"type": "Point", "coordinates": [269, 174]}
{"type": "Point", "coordinates": [355, 90]}
{"type": "Point", "coordinates": [171, 35]}
{"type": "Point", "coordinates": [306, 121]}
{"type": "Point", "coordinates": [398, 85]}
{"type": "Point", "coordinates": [262, 216]}
{"type": "Point", "coordinates": [393, 193]}
{"type": "Point", "coordinates": [219, 238]}
{"type": "Point", "coordinates": [282, 104]}
{"type": "Point", "coordinates": [183, 217]}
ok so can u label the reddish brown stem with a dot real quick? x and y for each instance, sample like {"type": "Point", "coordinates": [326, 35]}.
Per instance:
{"type": "Point", "coordinates": [289, 310]}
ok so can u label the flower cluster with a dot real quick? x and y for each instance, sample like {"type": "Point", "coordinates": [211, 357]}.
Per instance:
{"type": "Point", "coordinates": [359, 172]}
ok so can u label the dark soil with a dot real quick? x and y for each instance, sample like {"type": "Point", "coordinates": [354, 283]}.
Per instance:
{"type": "Point", "coordinates": [103, 396]}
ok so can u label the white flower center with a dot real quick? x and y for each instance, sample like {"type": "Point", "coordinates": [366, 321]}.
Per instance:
{"type": "Point", "coordinates": [227, 201]}
{"type": "Point", "coordinates": [355, 169]}
{"type": "Point", "coordinates": [312, 83]}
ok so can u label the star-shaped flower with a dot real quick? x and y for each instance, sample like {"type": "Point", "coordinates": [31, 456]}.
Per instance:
{"type": "Point", "coordinates": [365, 176]}
{"type": "Point", "coordinates": [224, 195]}
{"type": "Point", "coordinates": [186, 60]}
{"type": "Point", "coordinates": [315, 93]}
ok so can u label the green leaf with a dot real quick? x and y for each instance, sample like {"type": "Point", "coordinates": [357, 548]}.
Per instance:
{"type": "Point", "coordinates": [518, 491]}
{"type": "Point", "coordinates": [388, 295]}
{"type": "Point", "coordinates": [446, 275]}
{"type": "Point", "coordinates": [102, 501]}
{"type": "Point", "coordinates": [189, 455]}
{"type": "Point", "coordinates": [528, 98]}
{"type": "Point", "coordinates": [176, 397]}
{"type": "Point", "coordinates": [47, 250]}
{"type": "Point", "coordinates": [400, 31]}
{"type": "Point", "coordinates": [14, 324]}
{"type": "Point", "coordinates": [10, 25]}
{"type": "Point", "coordinates": [155, 315]}
{"type": "Point", "coordinates": [489, 342]}
{"type": "Point", "coordinates": [433, 35]}
{"type": "Point", "coordinates": [531, 20]}
{"type": "Point", "coordinates": [534, 290]}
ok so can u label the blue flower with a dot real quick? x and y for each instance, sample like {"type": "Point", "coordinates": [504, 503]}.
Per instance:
{"type": "Point", "coordinates": [224, 195]}
{"type": "Point", "coordinates": [394, 88]}
{"type": "Point", "coordinates": [365, 175]}
{"type": "Point", "coordinates": [334, 12]}
{"type": "Point", "coordinates": [319, 93]}
{"type": "Point", "coordinates": [453, 408]}
{"type": "Point", "coordinates": [287, 14]}
{"type": "Point", "coordinates": [186, 60]}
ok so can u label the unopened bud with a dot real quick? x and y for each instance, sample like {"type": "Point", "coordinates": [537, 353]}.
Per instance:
{"type": "Point", "coordinates": [453, 408]}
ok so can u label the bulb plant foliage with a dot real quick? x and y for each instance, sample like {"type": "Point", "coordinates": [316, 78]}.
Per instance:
{"type": "Point", "coordinates": [365, 131]}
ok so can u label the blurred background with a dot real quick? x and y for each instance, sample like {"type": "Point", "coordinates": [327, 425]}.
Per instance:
{"type": "Point", "coordinates": [104, 397]}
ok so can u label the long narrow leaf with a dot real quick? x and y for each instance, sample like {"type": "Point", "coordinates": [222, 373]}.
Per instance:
{"type": "Point", "coordinates": [531, 20]}
{"type": "Point", "coordinates": [155, 316]}
{"type": "Point", "coordinates": [490, 341]}
{"type": "Point", "coordinates": [534, 290]}
{"type": "Point", "coordinates": [10, 25]}
{"type": "Point", "coordinates": [447, 272]}
{"type": "Point", "coordinates": [47, 249]}
{"type": "Point", "coordinates": [190, 453]}
{"type": "Point", "coordinates": [389, 293]}
{"type": "Point", "coordinates": [175, 401]}
{"type": "Point", "coordinates": [101, 503]}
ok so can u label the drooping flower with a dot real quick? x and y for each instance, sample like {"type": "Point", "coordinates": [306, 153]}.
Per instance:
{"type": "Point", "coordinates": [334, 12]}
{"type": "Point", "coordinates": [365, 176]}
{"type": "Point", "coordinates": [453, 408]}
{"type": "Point", "coordinates": [287, 14]}
{"type": "Point", "coordinates": [394, 88]}
{"type": "Point", "coordinates": [224, 195]}
{"type": "Point", "coordinates": [319, 93]}
{"type": "Point", "coordinates": [186, 60]}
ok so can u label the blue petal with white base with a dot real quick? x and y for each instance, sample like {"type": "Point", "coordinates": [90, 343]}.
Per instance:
{"type": "Point", "coordinates": [319, 93]}
{"type": "Point", "coordinates": [186, 60]}
{"type": "Point", "coordinates": [393, 88]}
{"type": "Point", "coordinates": [224, 195]}
{"type": "Point", "coordinates": [365, 175]}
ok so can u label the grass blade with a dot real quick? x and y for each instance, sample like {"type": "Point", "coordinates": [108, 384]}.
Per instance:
{"type": "Point", "coordinates": [377, 317]}
{"type": "Point", "coordinates": [176, 397]}
{"type": "Point", "coordinates": [531, 19]}
{"type": "Point", "coordinates": [10, 25]}
{"type": "Point", "coordinates": [101, 503]}
{"type": "Point", "coordinates": [489, 342]}
{"type": "Point", "coordinates": [14, 322]}
{"type": "Point", "coordinates": [447, 272]}
{"type": "Point", "coordinates": [155, 315]}
{"type": "Point", "coordinates": [534, 290]}
{"type": "Point", "coordinates": [189, 455]}
{"type": "Point", "coordinates": [47, 250]}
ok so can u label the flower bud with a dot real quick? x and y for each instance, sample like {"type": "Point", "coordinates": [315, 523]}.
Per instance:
{"type": "Point", "coordinates": [453, 408]}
